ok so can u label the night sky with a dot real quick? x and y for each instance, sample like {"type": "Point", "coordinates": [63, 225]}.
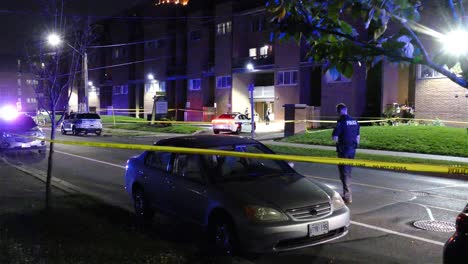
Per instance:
{"type": "Point", "coordinates": [21, 19]}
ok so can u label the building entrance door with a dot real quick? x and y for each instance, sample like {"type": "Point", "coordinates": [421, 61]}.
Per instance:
{"type": "Point", "coordinates": [261, 108]}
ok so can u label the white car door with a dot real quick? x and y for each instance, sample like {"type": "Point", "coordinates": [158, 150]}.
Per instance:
{"type": "Point", "coordinates": [246, 123]}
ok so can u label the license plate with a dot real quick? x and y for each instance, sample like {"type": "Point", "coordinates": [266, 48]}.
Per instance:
{"type": "Point", "coordinates": [25, 145]}
{"type": "Point", "coordinates": [317, 229]}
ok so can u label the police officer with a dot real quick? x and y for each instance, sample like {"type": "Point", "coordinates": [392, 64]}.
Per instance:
{"type": "Point", "coordinates": [346, 136]}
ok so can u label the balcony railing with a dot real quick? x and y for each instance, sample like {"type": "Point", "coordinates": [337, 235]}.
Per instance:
{"type": "Point", "coordinates": [262, 60]}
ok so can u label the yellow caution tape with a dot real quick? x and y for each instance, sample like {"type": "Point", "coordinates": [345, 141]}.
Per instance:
{"type": "Point", "coordinates": [402, 167]}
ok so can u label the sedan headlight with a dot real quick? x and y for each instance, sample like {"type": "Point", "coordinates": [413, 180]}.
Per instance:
{"type": "Point", "coordinates": [337, 201]}
{"type": "Point", "coordinates": [6, 135]}
{"type": "Point", "coordinates": [264, 214]}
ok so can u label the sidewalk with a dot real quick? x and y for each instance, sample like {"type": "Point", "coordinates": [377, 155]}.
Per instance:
{"type": "Point", "coordinates": [373, 152]}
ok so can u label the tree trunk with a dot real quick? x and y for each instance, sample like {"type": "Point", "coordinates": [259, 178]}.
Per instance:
{"type": "Point", "coordinates": [50, 161]}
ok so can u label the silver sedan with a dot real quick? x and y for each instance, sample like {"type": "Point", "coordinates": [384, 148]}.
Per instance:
{"type": "Point", "coordinates": [254, 205]}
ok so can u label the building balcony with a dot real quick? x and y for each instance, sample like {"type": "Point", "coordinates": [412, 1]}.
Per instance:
{"type": "Point", "coordinates": [262, 61]}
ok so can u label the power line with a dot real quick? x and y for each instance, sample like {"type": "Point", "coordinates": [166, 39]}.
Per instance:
{"type": "Point", "coordinates": [130, 63]}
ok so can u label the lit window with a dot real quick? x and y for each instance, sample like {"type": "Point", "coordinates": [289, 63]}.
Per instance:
{"type": "Point", "coordinates": [194, 84]}
{"type": "Point", "coordinates": [223, 28]}
{"type": "Point", "coordinates": [264, 50]}
{"type": "Point", "coordinates": [253, 52]}
{"type": "Point", "coordinates": [223, 82]}
{"type": "Point", "coordinates": [286, 78]}
{"type": "Point", "coordinates": [155, 86]}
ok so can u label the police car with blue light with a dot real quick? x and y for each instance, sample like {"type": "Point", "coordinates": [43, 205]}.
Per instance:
{"type": "Point", "coordinates": [19, 131]}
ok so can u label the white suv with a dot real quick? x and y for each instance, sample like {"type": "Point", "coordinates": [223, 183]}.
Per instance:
{"type": "Point", "coordinates": [85, 123]}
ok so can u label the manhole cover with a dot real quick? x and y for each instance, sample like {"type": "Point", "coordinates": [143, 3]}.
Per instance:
{"type": "Point", "coordinates": [420, 193]}
{"type": "Point", "coordinates": [437, 226]}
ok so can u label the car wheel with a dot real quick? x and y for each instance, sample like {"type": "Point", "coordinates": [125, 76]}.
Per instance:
{"type": "Point", "coordinates": [142, 206]}
{"type": "Point", "coordinates": [223, 236]}
{"type": "Point", "coordinates": [63, 131]}
{"type": "Point", "coordinates": [216, 131]}
{"type": "Point", "coordinates": [239, 129]}
{"type": "Point", "coordinates": [74, 132]}
{"type": "Point", "coordinates": [98, 133]}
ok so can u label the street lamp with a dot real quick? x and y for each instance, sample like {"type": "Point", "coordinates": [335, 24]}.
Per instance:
{"type": "Point", "coordinates": [455, 42]}
{"type": "Point", "coordinates": [250, 68]}
{"type": "Point", "coordinates": [54, 40]}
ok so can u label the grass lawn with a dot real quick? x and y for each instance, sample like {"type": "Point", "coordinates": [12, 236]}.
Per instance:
{"type": "Point", "coordinates": [108, 119]}
{"type": "Point", "coordinates": [178, 129]}
{"type": "Point", "coordinates": [439, 140]}
{"type": "Point", "coordinates": [363, 156]}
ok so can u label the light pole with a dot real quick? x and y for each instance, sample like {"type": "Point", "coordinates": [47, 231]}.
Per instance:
{"type": "Point", "coordinates": [55, 40]}
{"type": "Point", "coordinates": [251, 88]}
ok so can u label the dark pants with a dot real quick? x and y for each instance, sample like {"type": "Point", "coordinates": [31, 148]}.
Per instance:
{"type": "Point", "coordinates": [345, 171]}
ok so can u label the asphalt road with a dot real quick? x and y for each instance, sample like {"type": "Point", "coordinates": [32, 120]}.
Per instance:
{"type": "Point", "coordinates": [385, 204]}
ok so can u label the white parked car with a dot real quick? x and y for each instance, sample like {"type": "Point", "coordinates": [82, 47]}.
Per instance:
{"type": "Point", "coordinates": [232, 122]}
{"type": "Point", "coordinates": [85, 123]}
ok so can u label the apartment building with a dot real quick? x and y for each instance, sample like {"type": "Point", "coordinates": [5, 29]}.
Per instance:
{"type": "Point", "coordinates": [202, 57]}
{"type": "Point", "coordinates": [17, 85]}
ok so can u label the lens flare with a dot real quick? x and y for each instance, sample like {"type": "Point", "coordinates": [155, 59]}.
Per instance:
{"type": "Point", "coordinates": [455, 42]}
{"type": "Point", "coordinates": [8, 113]}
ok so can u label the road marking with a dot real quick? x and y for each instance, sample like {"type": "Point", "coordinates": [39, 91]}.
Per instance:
{"type": "Point", "coordinates": [360, 184]}
{"type": "Point", "coordinates": [386, 188]}
{"type": "Point", "coordinates": [388, 231]}
{"type": "Point", "coordinates": [440, 208]}
{"type": "Point", "coordinates": [441, 187]}
{"type": "Point", "coordinates": [429, 212]}
{"type": "Point", "coordinates": [90, 159]}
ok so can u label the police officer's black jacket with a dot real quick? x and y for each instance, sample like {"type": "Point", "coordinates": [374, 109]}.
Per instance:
{"type": "Point", "coordinates": [347, 129]}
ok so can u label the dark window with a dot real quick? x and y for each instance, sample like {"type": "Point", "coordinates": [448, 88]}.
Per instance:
{"type": "Point", "coordinates": [88, 116]}
{"type": "Point", "coordinates": [257, 25]}
{"type": "Point", "coordinates": [188, 167]}
{"type": "Point", "coordinates": [158, 160]}
{"type": "Point", "coordinates": [195, 35]}
{"type": "Point", "coordinates": [287, 78]}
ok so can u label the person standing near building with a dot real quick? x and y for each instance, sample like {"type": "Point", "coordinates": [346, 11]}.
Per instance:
{"type": "Point", "coordinates": [267, 116]}
{"type": "Point", "coordinates": [346, 136]}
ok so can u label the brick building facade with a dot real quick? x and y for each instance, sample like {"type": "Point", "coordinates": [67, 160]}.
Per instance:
{"type": "Point", "coordinates": [196, 56]}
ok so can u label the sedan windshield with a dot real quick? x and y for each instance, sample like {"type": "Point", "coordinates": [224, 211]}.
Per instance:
{"type": "Point", "coordinates": [228, 168]}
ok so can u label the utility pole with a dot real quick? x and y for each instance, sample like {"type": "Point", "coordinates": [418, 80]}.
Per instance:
{"type": "Point", "coordinates": [252, 118]}
{"type": "Point", "coordinates": [85, 77]}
